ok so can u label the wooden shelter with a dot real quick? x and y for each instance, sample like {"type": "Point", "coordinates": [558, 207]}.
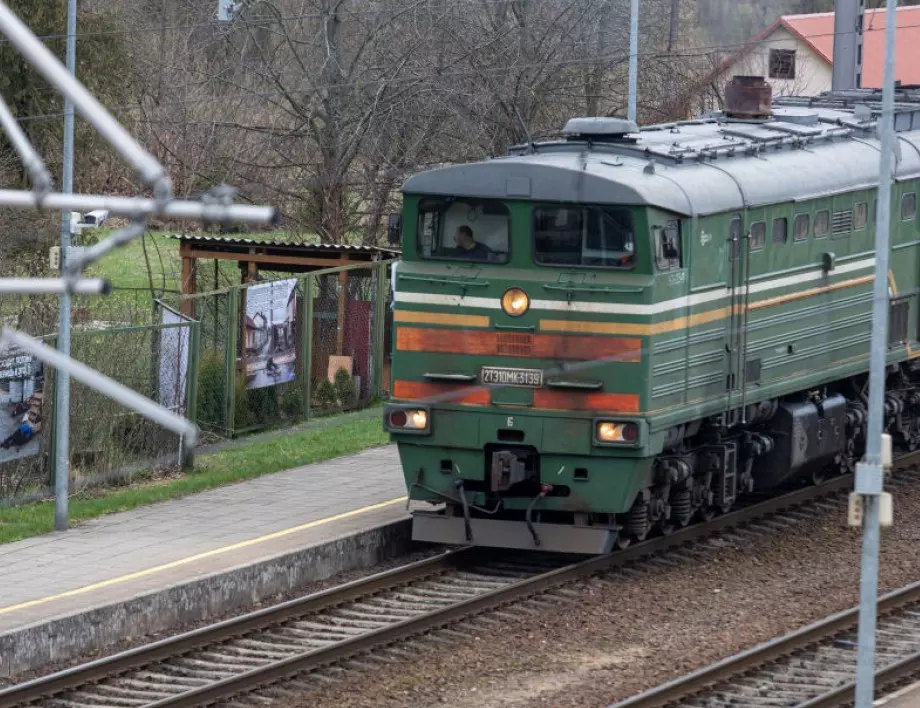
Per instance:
{"type": "Point", "coordinates": [253, 256]}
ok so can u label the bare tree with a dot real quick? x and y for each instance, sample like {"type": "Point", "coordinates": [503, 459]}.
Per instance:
{"type": "Point", "coordinates": [324, 106]}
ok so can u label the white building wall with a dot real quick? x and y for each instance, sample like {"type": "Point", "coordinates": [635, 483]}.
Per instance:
{"type": "Point", "coordinates": [812, 73]}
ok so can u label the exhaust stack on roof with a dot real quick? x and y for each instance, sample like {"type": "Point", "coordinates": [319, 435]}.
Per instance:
{"type": "Point", "coordinates": [748, 97]}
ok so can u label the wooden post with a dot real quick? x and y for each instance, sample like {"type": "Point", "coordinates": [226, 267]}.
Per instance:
{"type": "Point", "coordinates": [188, 287]}
{"type": "Point", "coordinates": [343, 296]}
{"type": "Point", "coordinates": [249, 276]}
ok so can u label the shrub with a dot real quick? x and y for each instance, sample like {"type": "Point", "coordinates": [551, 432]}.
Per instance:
{"type": "Point", "coordinates": [325, 395]}
{"type": "Point", "coordinates": [345, 390]}
{"type": "Point", "coordinates": [292, 398]}
{"type": "Point", "coordinates": [254, 407]}
{"type": "Point", "coordinates": [212, 399]}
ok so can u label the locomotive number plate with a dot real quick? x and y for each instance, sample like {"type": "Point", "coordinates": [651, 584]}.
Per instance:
{"type": "Point", "coordinates": [532, 378]}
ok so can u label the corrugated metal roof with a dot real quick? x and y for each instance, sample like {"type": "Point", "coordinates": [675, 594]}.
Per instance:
{"type": "Point", "coordinates": [235, 241]}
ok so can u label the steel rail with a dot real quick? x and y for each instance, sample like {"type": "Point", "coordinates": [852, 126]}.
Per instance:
{"type": "Point", "coordinates": [91, 672]}
{"type": "Point", "coordinates": [764, 654]}
{"type": "Point", "coordinates": [908, 667]}
{"type": "Point", "coordinates": [253, 621]}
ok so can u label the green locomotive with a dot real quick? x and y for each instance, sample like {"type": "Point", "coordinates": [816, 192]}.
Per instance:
{"type": "Point", "coordinates": [617, 331]}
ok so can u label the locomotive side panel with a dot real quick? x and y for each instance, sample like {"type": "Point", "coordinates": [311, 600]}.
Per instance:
{"type": "Point", "coordinates": [576, 391]}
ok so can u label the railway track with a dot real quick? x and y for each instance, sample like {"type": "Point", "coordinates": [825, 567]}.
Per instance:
{"type": "Point", "coordinates": [813, 667]}
{"type": "Point", "coordinates": [277, 644]}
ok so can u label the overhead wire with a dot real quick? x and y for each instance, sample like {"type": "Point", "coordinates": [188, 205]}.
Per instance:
{"type": "Point", "coordinates": [616, 58]}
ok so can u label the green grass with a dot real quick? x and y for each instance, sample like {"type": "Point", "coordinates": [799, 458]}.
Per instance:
{"type": "Point", "coordinates": [330, 439]}
{"type": "Point", "coordinates": [127, 266]}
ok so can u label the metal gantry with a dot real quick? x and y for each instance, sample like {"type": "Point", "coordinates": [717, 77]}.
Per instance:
{"type": "Point", "coordinates": [216, 206]}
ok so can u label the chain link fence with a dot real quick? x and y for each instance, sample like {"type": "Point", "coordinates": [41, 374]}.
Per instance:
{"type": "Point", "coordinates": [239, 359]}
{"type": "Point", "coordinates": [152, 352]}
{"type": "Point", "coordinates": [280, 351]}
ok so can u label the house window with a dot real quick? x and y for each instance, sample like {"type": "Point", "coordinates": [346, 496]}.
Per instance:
{"type": "Point", "coordinates": [782, 63]}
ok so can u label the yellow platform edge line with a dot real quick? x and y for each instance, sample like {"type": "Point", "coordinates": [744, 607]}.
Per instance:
{"type": "Point", "coordinates": [198, 556]}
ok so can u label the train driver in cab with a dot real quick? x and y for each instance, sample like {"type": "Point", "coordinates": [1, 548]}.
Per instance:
{"type": "Point", "coordinates": [468, 247]}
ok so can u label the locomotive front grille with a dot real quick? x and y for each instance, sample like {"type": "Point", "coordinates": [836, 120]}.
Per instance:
{"type": "Point", "coordinates": [515, 343]}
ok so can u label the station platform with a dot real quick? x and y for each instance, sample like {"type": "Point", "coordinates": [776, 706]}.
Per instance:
{"type": "Point", "coordinates": [907, 697]}
{"type": "Point", "coordinates": [135, 573]}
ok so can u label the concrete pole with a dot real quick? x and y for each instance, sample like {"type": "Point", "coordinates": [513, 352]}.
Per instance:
{"type": "Point", "coordinates": [62, 399]}
{"type": "Point", "coordinates": [848, 23]}
{"type": "Point", "coordinates": [633, 57]}
{"type": "Point", "coordinates": [869, 474]}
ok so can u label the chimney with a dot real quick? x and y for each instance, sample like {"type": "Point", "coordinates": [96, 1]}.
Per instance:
{"type": "Point", "coordinates": [748, 97]}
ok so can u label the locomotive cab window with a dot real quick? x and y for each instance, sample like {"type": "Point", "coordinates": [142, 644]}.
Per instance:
{"type": "Point", "coordinates": [600, 237]}
{"type": "Point", "coordinates": [464, 229]}
{"type": "Point", "coordinates": [667, 245]}
{"type": "Point", "coordinates": [734, 237]}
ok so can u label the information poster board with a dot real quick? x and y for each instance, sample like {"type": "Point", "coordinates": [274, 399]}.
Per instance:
{"type": "Point", "coordinates": [22, 386]}
{"type": "Point", "coordinates": [174, 343]}
{"type": "Point", "coordinates": [270, 342]}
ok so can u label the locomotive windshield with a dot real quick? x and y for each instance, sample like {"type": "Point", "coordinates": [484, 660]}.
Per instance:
{"type": "Point", "coordinates": [584, 236]}
{"type": "Point", "coordinates": [464, 229]}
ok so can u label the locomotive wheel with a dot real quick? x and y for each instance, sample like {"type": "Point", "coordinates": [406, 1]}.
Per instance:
{"type": "Point", "coordinates": [706, 513]}
{"type": "Point", "coordinates": [622, 543]}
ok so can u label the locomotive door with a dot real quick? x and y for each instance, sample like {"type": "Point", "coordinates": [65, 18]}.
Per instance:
{"type": "Point", "coordinates": [737, 315]}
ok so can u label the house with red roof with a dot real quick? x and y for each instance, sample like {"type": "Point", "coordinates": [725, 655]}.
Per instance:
{"type": "Point", "coordinates": [795, 54]}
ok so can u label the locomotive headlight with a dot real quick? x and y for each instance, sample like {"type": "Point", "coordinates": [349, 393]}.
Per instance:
{"type": "Point", "coordinates": [515, 302]}
{"type": "Point", "coordinates": [409, 420]}
{"type": "Point", "coordinates": [418, 420]}
{"type": "Point", "coordinates": [611, 432]}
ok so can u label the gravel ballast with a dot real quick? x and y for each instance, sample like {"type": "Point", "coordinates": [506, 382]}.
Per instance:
{"type": "Point", "coordinates": [623, 634]}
